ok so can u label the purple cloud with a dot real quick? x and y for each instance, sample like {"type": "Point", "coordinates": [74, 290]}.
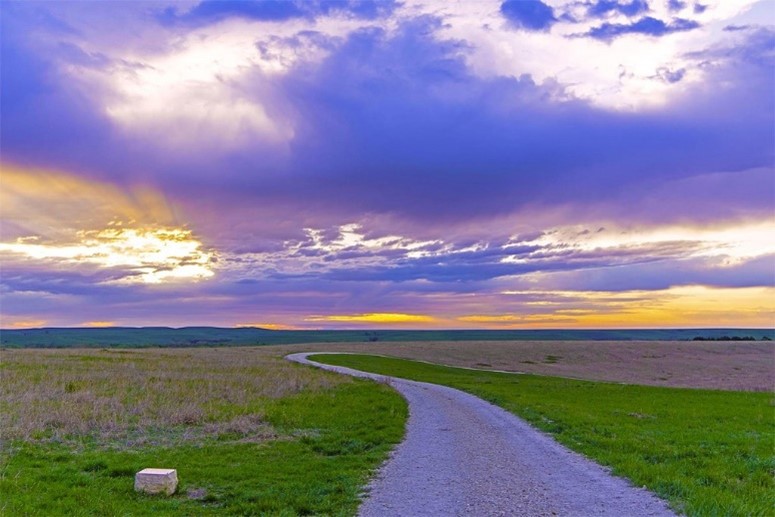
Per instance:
{"type": "Point", "coordinates": [391, 143]}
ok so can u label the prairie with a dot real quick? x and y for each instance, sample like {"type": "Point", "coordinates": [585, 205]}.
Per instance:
{"type": "Point", "coordinates": [251, 433]}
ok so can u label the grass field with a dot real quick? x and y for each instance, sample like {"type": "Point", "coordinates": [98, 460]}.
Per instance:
{"type": "Point", "coordinates": [706, 452]}
{"type": "Point", "coordinates": [248, 432]}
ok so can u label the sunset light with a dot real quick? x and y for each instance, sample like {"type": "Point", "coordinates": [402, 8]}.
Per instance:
{"type": "Point", "coordinates": [419, 165]}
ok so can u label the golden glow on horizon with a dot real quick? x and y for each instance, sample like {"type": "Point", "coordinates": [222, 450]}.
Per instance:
{"type": "Point", "coordinates": [387, 318]}
{"type": "Point", "coordinates": [690, 306]}
{"type": "Point", "coordinates": [268, 326]}
{"type": "Point", "coordinates": [99, 324]}
{"type": "Point", "coordinates": [24, 324]}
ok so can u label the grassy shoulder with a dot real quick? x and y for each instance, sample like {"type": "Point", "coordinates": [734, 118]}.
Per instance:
{"type": "Point", "coordinates": [706, 452]}
{"type": "Point", "coordinates": [304, 448]}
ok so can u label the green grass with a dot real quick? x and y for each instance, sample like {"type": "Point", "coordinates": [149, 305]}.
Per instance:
{"type": "Point", "coordinates": [706, 452]}
{"type": "Point", "coordinates": [341, 436]}
{"type": "Point", "coordinates": [306, 448]}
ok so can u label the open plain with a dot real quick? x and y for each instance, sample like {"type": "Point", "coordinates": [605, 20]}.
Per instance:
{"type": "Point", "coordinates": [724, 365]}
{"type": "Point", "coordinates": [252, 433]}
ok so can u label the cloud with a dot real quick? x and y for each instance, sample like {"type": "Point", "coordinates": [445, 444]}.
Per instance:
{"type": "Point", "coordinates": [676, 5]}
{"type": "Point", "coordinates": [647, 25]}
{"type": "Point", "coordinates": [429, 140]}
{"type": "Point", "coordinates": [603, 8]}
{"type": "Point", "coordinates": [671, 76]}
{"type": "Point", "coordinates": [532, 15]}
{"type": "Point", "coordinates": [39, 106]}
{"type": "Point", "coordinates": [141, 255]}
{"type": "Point", "coordinates": [212, 11]}
{"type": "Point", "coordinates": [629, 258]}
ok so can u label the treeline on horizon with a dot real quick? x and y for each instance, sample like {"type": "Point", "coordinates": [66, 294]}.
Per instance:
{"type": "Point", "coordinates": [134, 337]}
{"type": "Point", "coordinates": [730, 338]}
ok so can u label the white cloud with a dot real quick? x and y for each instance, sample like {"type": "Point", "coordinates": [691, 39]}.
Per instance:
{"type": "Point", "coordinates": [621, 74]}
{"type": "Point", "coordinates": [148, 256]}
{"type": "Point", "coordinates": [214, 86]}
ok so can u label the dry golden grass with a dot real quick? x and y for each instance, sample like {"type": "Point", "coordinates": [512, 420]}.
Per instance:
{"type": "Point", "coordinates": [127, 397]}
{"type": "Point", "coordinates": [745, 366]}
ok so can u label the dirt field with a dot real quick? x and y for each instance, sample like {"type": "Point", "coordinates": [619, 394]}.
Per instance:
{"type": "Point", "coordinates": [717, 365]}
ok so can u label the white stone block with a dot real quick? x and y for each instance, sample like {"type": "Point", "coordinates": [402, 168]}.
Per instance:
{"type": "Point", "coordinates": [157, 481]}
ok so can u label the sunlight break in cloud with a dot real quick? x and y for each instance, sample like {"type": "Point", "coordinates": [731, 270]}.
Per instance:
{"type": "Point", "coordinates": [148, 256]}
{"type": "Point", "coordinates": [69, 222]}
{"type": "Point", "coordinates": [52, 204]}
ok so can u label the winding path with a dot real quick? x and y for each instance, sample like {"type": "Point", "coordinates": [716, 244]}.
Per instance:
{"type": "Point", "coordinates": [464, 456]}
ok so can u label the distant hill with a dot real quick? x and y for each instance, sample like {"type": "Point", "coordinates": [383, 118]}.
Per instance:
{"type": "Point", "coordinates": [213, 336]}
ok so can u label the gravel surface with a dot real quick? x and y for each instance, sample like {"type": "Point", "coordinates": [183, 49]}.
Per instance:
{"type": "Point", "coordinates": [464, 456]}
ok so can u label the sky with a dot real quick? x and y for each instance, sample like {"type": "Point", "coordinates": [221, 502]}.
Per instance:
{"type": "Point", "coordinates": [387, 164]}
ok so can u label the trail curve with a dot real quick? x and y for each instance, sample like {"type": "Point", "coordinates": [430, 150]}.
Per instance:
{"type": "Point", "coordinates": [464, 456]}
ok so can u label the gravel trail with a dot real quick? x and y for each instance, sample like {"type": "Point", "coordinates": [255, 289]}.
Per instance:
{"type": "Point", "coordinates": [464, 456]}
